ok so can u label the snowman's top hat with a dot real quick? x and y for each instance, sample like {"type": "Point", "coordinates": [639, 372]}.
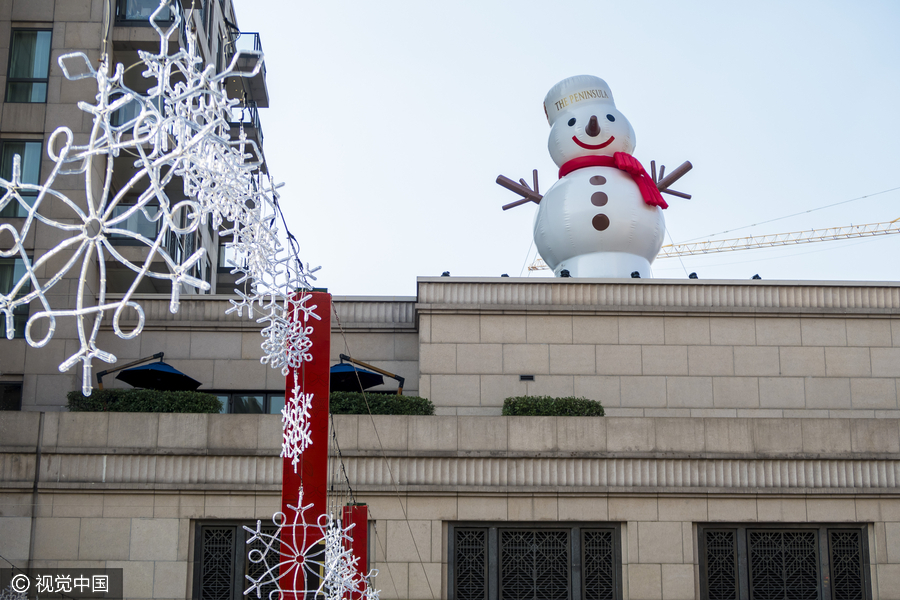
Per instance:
{"type": "Point", "coordinates": [572, 91]}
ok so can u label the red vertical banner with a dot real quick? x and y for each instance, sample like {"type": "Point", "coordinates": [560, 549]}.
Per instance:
{"type": "Point", "coordinates": [312, 470]}
{"type": "Point", "coordinates": [358, 516]}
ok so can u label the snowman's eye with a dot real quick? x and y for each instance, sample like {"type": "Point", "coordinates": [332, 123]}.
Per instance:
{"type": "Point", "coordinates": [571, 121]}
{"type": "Point", "coordinates": [611, 118]}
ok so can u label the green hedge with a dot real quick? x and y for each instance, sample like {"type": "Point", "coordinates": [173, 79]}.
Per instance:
{"type": "Point", "coordinates": [121, 400]}
{"type": "Point", "coordinates": [354, 403]}
{"type": "Point", "coordinates": [546, 406]}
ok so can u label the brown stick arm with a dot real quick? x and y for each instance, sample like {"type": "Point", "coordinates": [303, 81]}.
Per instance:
{"type": "Point", "coordinates": [674, 176]}
{"type": "Point", "coordinates": [674, 193]}
{"type": "Point", "coordinates": [521, 188]}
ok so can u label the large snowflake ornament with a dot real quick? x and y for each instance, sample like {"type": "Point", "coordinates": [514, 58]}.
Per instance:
{"type": "Point", "coordinates": [187, 171]}
{"type": "Point", "coordinates": [304, 558]}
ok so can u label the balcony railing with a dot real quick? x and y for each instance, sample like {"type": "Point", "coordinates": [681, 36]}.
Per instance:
{"type": "Point", "coordinates": [248, 118]}
{"type": "Point", "coordinates": [247, 88]}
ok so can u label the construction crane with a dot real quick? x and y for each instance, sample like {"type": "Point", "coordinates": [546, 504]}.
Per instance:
{"type": "Point", "coordinates": [768, 241]}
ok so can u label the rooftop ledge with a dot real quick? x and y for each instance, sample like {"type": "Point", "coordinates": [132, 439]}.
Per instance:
{"type": "Point", "coordinates": [656, 281]}
{"type": "Point", "coordinates": [439, 294]}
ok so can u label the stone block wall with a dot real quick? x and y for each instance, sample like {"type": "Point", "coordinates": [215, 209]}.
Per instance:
{"type": "Point", "coordinates": [658, 478]}
{"type": "Point", "coordinates": [722, 349]}
{"type": "Point", "coordinates": [125, 490]}
{"type": "Point", "coordinates": [381, 331]}
{"type": "Point", "coordinates": [221, 350]}
{"type": "Point", "coordinates": [129, 490]}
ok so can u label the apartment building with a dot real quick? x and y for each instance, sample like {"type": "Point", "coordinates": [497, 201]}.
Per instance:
{"type": "Point", "coordinates": [37, 99]}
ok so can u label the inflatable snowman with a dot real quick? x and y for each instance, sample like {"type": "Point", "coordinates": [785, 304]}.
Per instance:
{"type": "Point", "coordinates": [603, 218]}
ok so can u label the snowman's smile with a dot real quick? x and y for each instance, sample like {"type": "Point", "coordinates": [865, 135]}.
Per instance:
{"type": "Point", "coordinates": [593, 146]}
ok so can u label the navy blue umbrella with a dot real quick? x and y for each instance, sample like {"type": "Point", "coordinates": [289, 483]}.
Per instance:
{"type": "Point", "coordinates": [158, 376]}
{"type": "Point", "coordinates": [348, 378]}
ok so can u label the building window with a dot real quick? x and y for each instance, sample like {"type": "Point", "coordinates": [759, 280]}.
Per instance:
{"type": "Point", "coordinates": [255, 403]}
{"type": "Point", "coordinates": [229, 258]}
{"type": "Point", "coordinates": [12, 271]}
{"type": "Point", "coordinates": [29, 65]}
{"type": "Point", "coordinates": [804, 561]}
{"type": "Point", "coordinates": [29, 154]}
{"type": "Point", "coordinates": [532, 561]}
{"type": "Point", "coordinates": [221, 563]}
{"type": "Point", "coordinates": [138, 222]}
{"type": "Point", "coordinates": [140, 10]}
{"type": "Point", "coordinates": [10, 396]}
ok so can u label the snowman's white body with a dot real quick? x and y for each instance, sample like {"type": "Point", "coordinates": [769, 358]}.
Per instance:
{"type": "Point", "coordinates": [566, 237]}
{"type": "Point", "coordinates": [569, 232]}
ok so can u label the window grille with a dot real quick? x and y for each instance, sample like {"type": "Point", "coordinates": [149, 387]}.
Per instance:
{"type": "Point", "coordinates": [217, 570]}
{"type": "Point", "coordinates": [222, 563]}
{"type": "Point", "coordinates": [598, 564]}
{"type": "Point", "coordinates": [800, 562]}
{"type": "Point", "coordinates": [846, 559]}
{"type": "Point", "coordinates": [471, 564]}
{"type": "Point", "coordinates": [535, 562]}
{"type": "Point", "coordinates": [783, 564]}
{"type": "Point", "coordinates": [257, 569]}
{"type": "Point", "coordinates": [534, 565]}
{"type": "Point", "coordinates": [721, 564]}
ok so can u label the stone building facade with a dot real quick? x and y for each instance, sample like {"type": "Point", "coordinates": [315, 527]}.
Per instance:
{"type": "Point", "coordinates": [752, 439]}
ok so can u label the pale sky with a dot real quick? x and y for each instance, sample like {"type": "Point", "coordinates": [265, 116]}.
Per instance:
{"type": "Point", "coordinates": [390, 121]}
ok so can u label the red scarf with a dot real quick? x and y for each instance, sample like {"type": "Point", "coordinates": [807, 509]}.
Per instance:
{"type": "Point", "coordinates": [623, 162]}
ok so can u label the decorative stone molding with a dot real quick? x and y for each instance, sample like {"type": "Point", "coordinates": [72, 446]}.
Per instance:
{"type": "Point", "coordinates": [195, 312]}
{"type": "Point", "coordinates": [483, 294]}
{"type": "Point", "coordinates": [377, 312]}
{"type": "Point", "coordinates": [458, 474]}
{"type": "Point", "coordinates": [583, 474]}
{"type": "Point", "coordinates": [209, 311]}
{"type": "Point", "coordinates": [87, 471]}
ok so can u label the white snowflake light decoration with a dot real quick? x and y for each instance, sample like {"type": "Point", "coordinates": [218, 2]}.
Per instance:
{"type": "Point", "coordinates": [287, 343]}
{"type": "Point", "coordinates": [295, 424]}
{"type": "Point", "coordinates": [177, 132]}
{"type": "Point", "coordinates": [9, 594]}
{"type": "Point", "coordinates": [341, 577]}
{"type": "Point", "coordinates": [318, 561]}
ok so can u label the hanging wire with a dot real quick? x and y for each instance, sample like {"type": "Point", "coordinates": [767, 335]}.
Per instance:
{"type": "Point", "coordinates": [382, 544]}
{"type": "Point", "coordinates": [527, 254]}
{"type": "Point", "coordinates": [340, 491]}
{"type": "Point", "coordinates": [679, 258]}
{"type": "Point", "coordinates": [387, 463]}
{"type": "Point", "coordinates": [703, 237]}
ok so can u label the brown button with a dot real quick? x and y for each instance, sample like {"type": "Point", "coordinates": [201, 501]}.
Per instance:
{"type": "Point", "coordinates": [600, 222]}
{"type": "Point", "coordinates": [599, 198]}
{"type": "Point", "coordinates": [598, 180]}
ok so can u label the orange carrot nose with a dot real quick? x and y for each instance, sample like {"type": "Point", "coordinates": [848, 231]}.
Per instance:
{"type": "Point", "coordinates": [593, 127]}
